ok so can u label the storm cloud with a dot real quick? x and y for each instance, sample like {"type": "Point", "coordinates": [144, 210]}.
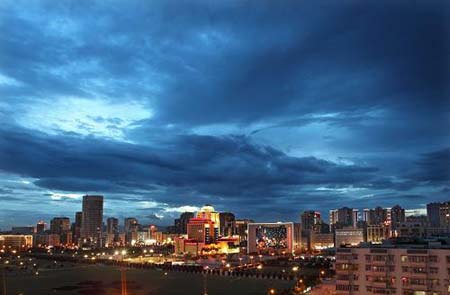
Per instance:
{"type": "Point", "coordinates": [262, 108]}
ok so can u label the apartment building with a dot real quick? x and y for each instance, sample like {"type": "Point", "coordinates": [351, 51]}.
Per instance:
{"type": "Point", "coordinates": [393, 270]}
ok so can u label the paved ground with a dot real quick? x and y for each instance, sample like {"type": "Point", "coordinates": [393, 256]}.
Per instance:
{"type": "Point", "coordinates": [105, 280]}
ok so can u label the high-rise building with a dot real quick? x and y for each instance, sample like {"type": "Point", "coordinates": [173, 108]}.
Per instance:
{"type": "Point", "coordinates": [76, 226]}
{"type": "Point", "coordinates": [182, 222]}
{"type": "Point", "coordinates": [130, 223]}
{"type": "Point", "coordinates": [397, 215]}
{"type": "Point", "coordinates": [112, 232]}
{"type": "Point", "coordinates": [92, 220]}
{"type": "Point", "coordinates": [343, 217]}
{"type": "Point", "coordinates": [59, 225]}
{"type": "Point", "coordinates": [202, 230]}
{"type": "Point", "coordinates": [40, 227]}
{"type": "Point", "coordinates": [208, 212]}
{"type": "Point", "coordinates": [392, 270]}
{"type": "Point", "coordinates": [376, 216]}
{"type": "Point", "coordinates": [131, 226]}
{"type": "Point", "coordinates": [112, 225]}
{"type": "Point", "coordinates": [227, 224]}
{"type": "Point", "coordinates": [309, 219]}
{"type": "Point", "coordinates": [438, 214]}
{"type": "Point", "coordinates": [241, 229]}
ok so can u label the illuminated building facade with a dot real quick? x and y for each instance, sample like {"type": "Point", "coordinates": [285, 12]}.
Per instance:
{"type": "Point", "coordinates": [349, 236]}
{"type": "Point", "coordinates": [203, 236]}
{"type": "Point", "coordinates": [272, 237]}
{"type": "Point", "coordinates": [16, 241]}
{"type": "Point", "coordinates": [393, 270]}
{"type": "Point", "coordinates": [377, 233]}
{"type": "Point", "coordinates": [47, 240]}
{"type": "Point", "coordinates": [202, 230]}
{"type": "Point", "coordinates": [208, 212]}
{"type": "Point", "coordinates": [321, 241]}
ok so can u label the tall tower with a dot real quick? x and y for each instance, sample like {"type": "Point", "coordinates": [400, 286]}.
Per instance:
{"type": "Point", "coordinates": [92, 220]}
{"type": "Point", "coordinates": [112, 226]}
{"type": "Point", "coordinates": [77, 226]}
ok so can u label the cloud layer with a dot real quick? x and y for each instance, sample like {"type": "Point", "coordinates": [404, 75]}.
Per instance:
{"type": "Point", "coordinates": [261, 108]}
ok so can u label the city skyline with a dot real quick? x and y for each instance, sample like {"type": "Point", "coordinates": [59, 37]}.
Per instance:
{"type": "Point", "coordinates": [359, 214]}
{"type": "Point", "coordinates": [264, 112]}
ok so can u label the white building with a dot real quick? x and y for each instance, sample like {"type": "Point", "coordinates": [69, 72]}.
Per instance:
{"type": "Point", "coordinates": [381, 270]}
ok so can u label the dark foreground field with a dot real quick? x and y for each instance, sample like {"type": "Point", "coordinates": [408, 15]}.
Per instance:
{"type": "Point", "coordinates": [105, 280]}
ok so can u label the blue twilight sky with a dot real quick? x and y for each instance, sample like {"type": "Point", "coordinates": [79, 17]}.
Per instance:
{"type": "Point", "coordinates": [261, 108]}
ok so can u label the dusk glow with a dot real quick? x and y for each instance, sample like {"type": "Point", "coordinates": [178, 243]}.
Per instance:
{"type": "Point", "coordinates": [254, 111]}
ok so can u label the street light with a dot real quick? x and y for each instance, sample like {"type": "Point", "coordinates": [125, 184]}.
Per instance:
{"type": "Point", "coordinates": [271, 291]}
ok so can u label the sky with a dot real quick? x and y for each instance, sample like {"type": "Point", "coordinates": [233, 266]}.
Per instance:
{"type": "Point", "coordinates": [261, 108]}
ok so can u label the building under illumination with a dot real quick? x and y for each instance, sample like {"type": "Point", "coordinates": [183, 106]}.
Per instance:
{"type": "Point", "coordinates": [203, 236]}
{"type": "Point", "coordinates": [16, 241]}
{"type": "Point", "coordinates": [203, 230]}
{"type": "Point", "coordinates": [407, 270]}
{"type": "Point", "coordinates": [273, 237]}
{"type": "Point", "coordinates": [349, 236]}
{"type": "Point", "coordinates": [208, 212]}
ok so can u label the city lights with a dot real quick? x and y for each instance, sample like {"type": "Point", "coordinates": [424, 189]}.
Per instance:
{"type": "Point", "coordinates": [276, 244]}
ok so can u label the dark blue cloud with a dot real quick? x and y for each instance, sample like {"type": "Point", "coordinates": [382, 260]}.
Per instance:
{"type": "Point", "coordinates": [292, 104]}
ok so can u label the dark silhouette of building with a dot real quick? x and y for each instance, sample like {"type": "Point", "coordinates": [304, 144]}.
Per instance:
{"type": "Point", "coordinates": [309, 219]}
{"type": "Point", "coordinates": [40, 227]}
{"type": "Point", "coordinates": [227, 224]}
{"type": "Point", "coordinates": [438, 214]}
{"type": "Point", "coordinates": [76, 226]}
{"type": "Point", "coordinates": [397, 216]}
{"type": "Point", "coordinates": [112, 226]}
{"type": "Point", "coordinates": [182, 222]}
{"type": "Point", "coordinates": [92, 220]}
